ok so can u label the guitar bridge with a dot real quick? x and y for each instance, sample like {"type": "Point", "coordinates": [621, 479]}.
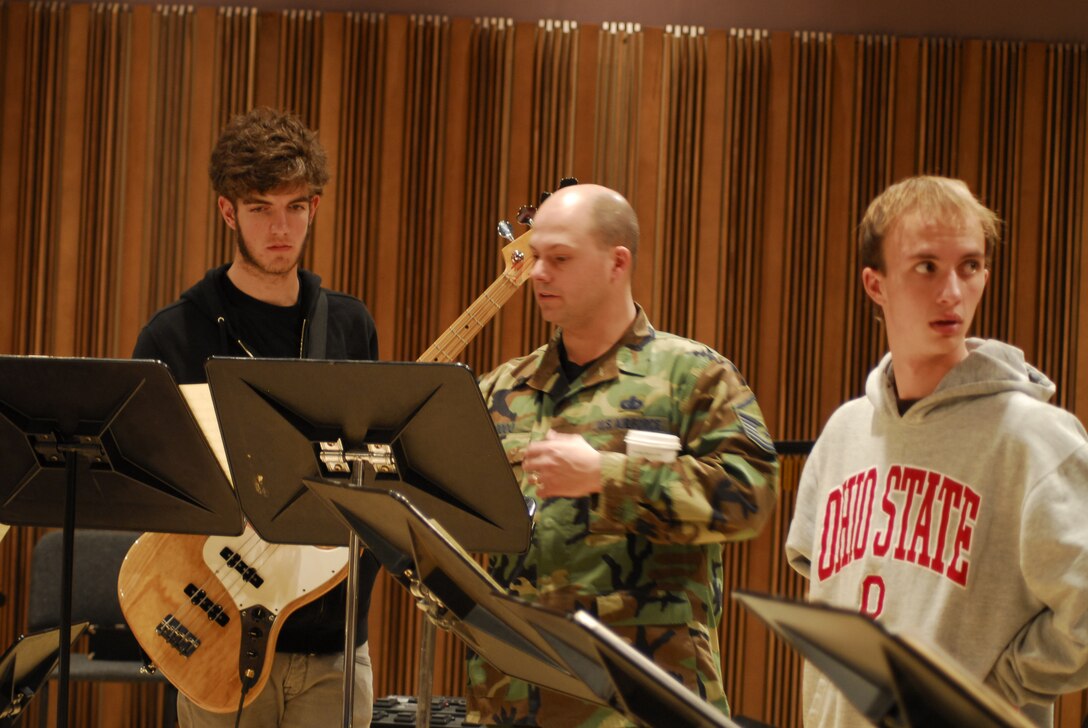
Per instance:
{"type": "Point", "coordinates": [177, 635]}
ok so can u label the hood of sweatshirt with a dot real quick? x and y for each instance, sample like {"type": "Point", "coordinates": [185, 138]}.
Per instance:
{"type": "Point", "coordinates": [991, 368]}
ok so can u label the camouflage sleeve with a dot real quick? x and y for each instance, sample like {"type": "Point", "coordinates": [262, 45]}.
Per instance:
{"type": "Point", "coordinates": [724, 484]}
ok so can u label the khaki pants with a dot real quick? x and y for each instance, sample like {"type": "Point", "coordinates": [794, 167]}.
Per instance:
{"type": "Point", "coordinates": [303, 691]}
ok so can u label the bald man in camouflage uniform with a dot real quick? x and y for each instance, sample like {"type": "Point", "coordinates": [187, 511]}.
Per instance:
{"type": "Point", "coordinates": [637, 544]}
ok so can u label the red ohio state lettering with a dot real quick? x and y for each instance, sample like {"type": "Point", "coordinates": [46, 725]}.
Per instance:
{"type": "Point", "coordinates": [925, 518]}
{"type": "Point", "coordinates": [845, 528]}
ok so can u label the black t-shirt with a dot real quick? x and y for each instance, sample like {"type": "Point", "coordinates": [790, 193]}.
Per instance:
{"type": "Point", "coordinates": [266, 330]}
{"type": "Point", "coordinates": [571, 370]}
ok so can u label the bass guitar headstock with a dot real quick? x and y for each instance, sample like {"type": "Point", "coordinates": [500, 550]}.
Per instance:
{"type": "Point", "coordinates": [517, 254]}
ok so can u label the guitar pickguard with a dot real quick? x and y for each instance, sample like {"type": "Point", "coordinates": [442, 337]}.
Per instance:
{"type": "Point", "coordinates": [255, 572]}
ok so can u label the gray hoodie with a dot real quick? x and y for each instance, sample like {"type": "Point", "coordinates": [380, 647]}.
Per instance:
{"type": "Point", "coordinates": [962, 523]}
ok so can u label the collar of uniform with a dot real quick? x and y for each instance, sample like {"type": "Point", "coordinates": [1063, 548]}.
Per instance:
{"type": "Point", "coordinates": [623, 356]}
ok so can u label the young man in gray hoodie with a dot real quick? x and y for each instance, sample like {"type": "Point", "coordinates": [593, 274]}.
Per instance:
{"type": "Point", "coordinates": [949, 503]}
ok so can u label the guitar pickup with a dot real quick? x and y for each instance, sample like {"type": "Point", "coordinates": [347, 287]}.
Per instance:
{"type": "Point", "coordinates": [199, 597]}
{"type": "Point", "coordinates": [234, 561]}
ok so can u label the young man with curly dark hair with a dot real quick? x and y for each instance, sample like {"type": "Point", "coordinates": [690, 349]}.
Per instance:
{"type": "Point", "coordinates": [269, 171]}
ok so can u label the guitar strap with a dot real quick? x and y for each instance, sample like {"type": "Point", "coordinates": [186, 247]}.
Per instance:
{"type": "Point", "coordinates": [319, 327]}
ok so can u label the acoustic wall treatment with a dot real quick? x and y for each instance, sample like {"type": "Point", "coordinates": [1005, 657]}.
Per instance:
{"type": "Point", "coordinates": [750, 157]}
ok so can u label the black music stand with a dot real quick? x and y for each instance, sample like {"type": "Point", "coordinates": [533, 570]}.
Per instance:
{"type": "Point", "coordinates": [572, 654]}
{"type": "Point", "coordinates": [110, 444]}
{"type": "Point", "coordinates": [421, 429]}
{"type": "Point", "coordinates": [890, 679]}
{"type": "Point", "coordinates": [25, 667]}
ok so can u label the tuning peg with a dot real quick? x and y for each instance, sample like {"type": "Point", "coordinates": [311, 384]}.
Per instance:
{"type": "Point", "coordinates": [505, 231]}
{"type": "Point", "coordinates": [526, 213]}
{"type": "Point", "coordinates": [543, 197]}
{"type": "Point", "coordinates": [567, 182]}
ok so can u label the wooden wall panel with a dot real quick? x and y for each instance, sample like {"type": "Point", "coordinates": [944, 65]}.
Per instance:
{"type": "Point", "coordinates": [871, 155]}
{"type": "Point", "coordinates": [736, 281]}
{"type": "Point", "coordinates": [12, 78]}
{"type": "Point", "coordinates": [675, 235]}
{"type": "Point", "coordinates": [356, 211]}
{"type": "Point", "coordinates": [482, 175]}
{"type": "Point", "coordinates": [1060, 244]}
{"type": "Point", "coordinates": [31, 160]}
{"type": "Point", "coordinates": [749, 156]}
{"type": "Point", "coordinates": [805, 251]}
{"type": "Point", "coordinates": [998, 177]}
{"type": "Point", "coordinates": [619, 88]}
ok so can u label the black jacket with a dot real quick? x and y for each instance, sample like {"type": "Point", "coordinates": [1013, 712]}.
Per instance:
{"type": "Point", "coordinates": [185, 334]}
{"type": "Point", "coordinates": [194, 328]}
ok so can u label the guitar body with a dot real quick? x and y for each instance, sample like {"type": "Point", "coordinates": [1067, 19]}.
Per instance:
{"type": "Point", "coordinates": [207, 610]}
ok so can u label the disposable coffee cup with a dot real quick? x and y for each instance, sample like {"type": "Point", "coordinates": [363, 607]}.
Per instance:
{"type": "Point", "coordinates": [657, 447]}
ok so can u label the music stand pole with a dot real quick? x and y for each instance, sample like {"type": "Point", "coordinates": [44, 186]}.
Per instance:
{"type": "Point", "coordinates": [426, 671]}
{"type": "Point", "coordinates": [76, 458]}
{"type": "Point", "coordinates": [351, 610]}
{"type": "Point", "coordinates": [71, 471]}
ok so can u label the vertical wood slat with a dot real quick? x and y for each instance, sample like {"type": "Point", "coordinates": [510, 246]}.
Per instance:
{"type": "Point", "coordinates": [874, 122]}
{"type": "Point", "coordinates": [678, 219]}
{"type": "Point", "coordinates": [619, 86]}
{"type": "Point", "coordinates": [168, 224]}
{"type": "Point", "coordinates": [37, 167]}
{"type": "Point", "coordinates": [421, 210]}
{"type": "Point", "coordinates": [805, 255]}
{"type": "Point", "coordinates": [999, 174]}
{"type": "Point", "coordinates": [360, 143]}
{"type": "Point", "coordinates": [938, 106]}
{"type": "Point", "coordinates": [12, 59]}
{"type": "Point", "coordinates": [744, 141]}
{"type": "Point", "coordinates": [486, 179]}
{"type": "Point", "coordinates": [1060, 253]}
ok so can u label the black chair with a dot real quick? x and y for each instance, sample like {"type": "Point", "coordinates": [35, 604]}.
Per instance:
{"type": "Point", "coordinates": [114, 654]}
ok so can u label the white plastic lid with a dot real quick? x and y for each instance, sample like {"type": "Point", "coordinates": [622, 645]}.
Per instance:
{"type": "Point", "coordinates": [661, 440]}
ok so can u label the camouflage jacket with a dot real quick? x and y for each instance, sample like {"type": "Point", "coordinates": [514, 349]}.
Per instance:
{"type": "Point", "coordinates": [644, 555]}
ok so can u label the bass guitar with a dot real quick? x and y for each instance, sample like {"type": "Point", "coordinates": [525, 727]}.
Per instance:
{"type": "Point", "coordinates": [207, 610]}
